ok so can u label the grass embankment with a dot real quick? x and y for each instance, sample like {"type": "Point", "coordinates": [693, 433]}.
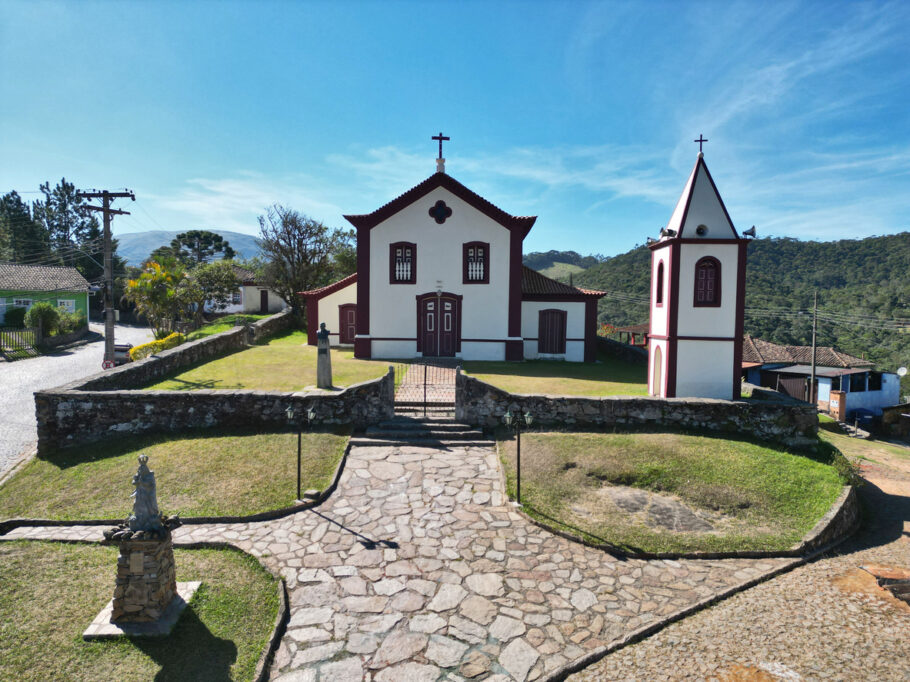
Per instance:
{"type": "Point", "coordinates": [608, 376]}
{"type": "Point", "coordinates": [282, 363]}
{"type": "Point", "coordinates": [756, 497]}
{"type": "Point", "coordinates": [222, 324]}
{"type": "Point", "coordinates": [52, 591]}
{"type": "Point", "coordinates": [196, 475]}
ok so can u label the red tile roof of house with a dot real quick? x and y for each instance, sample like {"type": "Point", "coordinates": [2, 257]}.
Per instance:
{"type": "Point", "coordinates": [17, 277]}
{"type": "Point", "coordinates": [535, 284]}
{"type": "Point", "coordinates": [329, 288]}
{"type": "Point", "coordinates": [765, 352]}
{"type": "Point", "coordinates": [370, 220]}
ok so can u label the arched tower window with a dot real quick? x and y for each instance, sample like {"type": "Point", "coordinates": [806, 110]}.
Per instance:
{"type": "Point", "coordinates": [707, 283]}
{"type": "Point", "coordinates": [659, 295]}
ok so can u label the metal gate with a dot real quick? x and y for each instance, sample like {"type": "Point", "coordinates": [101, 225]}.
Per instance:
{"type": "Point", "coordinates": [18, 342]}
{"type": "Point", "coordinates": [425, 382]}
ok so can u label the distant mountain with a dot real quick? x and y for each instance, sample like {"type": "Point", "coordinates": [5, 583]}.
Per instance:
{"type": "Point", "coordinates": [554, 263]}
{"type": "Point", "coordinates": [135, 247]}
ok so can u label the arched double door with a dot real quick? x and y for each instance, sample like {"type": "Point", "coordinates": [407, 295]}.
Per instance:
{"type": "Point", "coordinates": [439, 324]}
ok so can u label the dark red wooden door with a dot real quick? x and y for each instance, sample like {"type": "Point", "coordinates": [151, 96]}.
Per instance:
{"type": "Point", "coordinates": [347, 315]}
{"type": "Point", "coordinates": [551, 331]}
{"type": "Point", "coordinates": [439, 326]}
{"type": "Point", "coordinates": [263, 301]}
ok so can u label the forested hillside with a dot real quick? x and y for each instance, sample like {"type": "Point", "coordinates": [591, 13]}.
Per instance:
{"type": "Point", "coordinates": [863, 286]}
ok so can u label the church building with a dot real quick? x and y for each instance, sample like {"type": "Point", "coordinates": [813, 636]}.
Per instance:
{"type": "Point", "coordinates": [698, 288]}
{"type": "Point", "coordinates": [440, 274]}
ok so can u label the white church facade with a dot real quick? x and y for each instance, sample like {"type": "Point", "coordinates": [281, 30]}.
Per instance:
{"type": "Point", "coordinates": [697, 298]}
{"type": "Point", "coordinates": [440, 274]}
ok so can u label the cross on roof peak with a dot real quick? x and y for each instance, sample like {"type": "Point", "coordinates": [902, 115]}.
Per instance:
{"type": "Point", "coordinates": [701, 140]}
{"type": "Point", "coordinates": [440, 137]}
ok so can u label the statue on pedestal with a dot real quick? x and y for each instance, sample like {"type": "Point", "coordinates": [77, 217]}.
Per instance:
{"type": "Point", "coordinates": [323, 358]}
{"type": "Point", "coordinates": [145, 514]}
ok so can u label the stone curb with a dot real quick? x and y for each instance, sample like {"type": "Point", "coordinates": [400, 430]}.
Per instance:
{"type": "Point", "coordinates": [845, 505]}
{"type": "Point", "coordinates": [11, 524]}
{"type": "Point", "coordinates": [646, 631]}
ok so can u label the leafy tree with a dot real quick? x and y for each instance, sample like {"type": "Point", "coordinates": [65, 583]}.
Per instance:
{"type": "Point", "coordinates": [159, 295]}
{"type": "Point", "coordinates": [22, 239]}
{"type": "Point", "coordinates": [200, 246]}
{"type": "Point", "coordinates": [68, 225]}
{"type": "Point", "coordinates": [300, 252]}
{"type": "Point", "coordinates": [162, 253]}
{"type": "Point", "coordinates": [214, 283]}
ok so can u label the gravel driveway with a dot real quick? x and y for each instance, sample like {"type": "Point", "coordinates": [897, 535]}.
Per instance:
{"type": "Point", "coordinates": [20, 379]}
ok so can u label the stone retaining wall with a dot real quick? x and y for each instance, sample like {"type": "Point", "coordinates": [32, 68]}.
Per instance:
{"type": "Point", "coordinates": [635, 355]}
{"type": "Point", "coordinates": [63, 339]}
{"type": "Point", "coordinates": [794, 425]}
{"type": "Point", "coordinates": [145, 371]}
{"type": "Point", "coordinates": [68, 416]}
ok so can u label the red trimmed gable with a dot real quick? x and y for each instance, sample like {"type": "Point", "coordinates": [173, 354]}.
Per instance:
{"type": "Point", "coordinates": [330, 288]}
{"type": "Point", "coordinates": [370, 220]}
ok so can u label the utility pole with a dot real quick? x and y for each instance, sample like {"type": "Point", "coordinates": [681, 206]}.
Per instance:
{"type": "Point", "coordinates": [106, 209]}
{"type": "Point", "coordinates": [812, 397]}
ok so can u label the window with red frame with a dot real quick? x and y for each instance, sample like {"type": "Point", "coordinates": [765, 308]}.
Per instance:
{"type": "Point", "coordinates": [707, 282]}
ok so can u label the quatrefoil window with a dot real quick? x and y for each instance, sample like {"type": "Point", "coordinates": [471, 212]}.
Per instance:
{"type": "Point", "coordinates": [440, 212]}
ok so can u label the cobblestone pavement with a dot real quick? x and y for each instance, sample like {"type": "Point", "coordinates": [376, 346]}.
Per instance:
{"type": "Point", "coordinates": [825, 620]}
{"type": "Point", "coordinates": [20, 379]}
{"type": "Point", "coordinates": [434, 382]}
{"type": "Point", "coordinates": [417, 568]}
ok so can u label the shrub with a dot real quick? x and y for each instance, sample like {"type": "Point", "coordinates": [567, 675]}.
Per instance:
{"type": "Point", "coordinates": [45, 315]}
{"type": "Point", "coordinates": [70, 322]}
{"type": "Point", "coordinates": [152, 347]}
{"type": "Point", "coordinates": [15, 317]}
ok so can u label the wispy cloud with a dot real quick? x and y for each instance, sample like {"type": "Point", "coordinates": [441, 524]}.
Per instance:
{"type": "Point", "coordinates": [235, 203]}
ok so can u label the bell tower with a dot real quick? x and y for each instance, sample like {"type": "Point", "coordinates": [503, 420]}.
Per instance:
{"type": "Point", "coordinates": [698, 287]}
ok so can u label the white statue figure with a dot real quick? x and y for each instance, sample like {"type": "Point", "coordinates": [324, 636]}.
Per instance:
{"type": "Point", "coordinates": [145, 514]}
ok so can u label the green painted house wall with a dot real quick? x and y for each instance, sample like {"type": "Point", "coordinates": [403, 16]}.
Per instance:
{"type": "Point", "coordinates": [8, 296]}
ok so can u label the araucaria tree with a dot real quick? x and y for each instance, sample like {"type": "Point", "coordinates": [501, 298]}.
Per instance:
{"type": "Point", "coordinates": [301, 253]}
{"type": "Point", "coordinates": [200, 246]}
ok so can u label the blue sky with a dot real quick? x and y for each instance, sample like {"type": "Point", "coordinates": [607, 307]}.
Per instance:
{"type": "Point", "coordinates": [580, 113]}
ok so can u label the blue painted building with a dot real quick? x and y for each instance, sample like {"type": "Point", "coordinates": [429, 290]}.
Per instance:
{"type": "Point", "coordinates": [844, 384]}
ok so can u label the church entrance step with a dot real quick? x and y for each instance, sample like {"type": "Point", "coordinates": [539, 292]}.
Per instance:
{"type": "Point", "coordinates": [410, 423]}
{"type": "Point", "coordinates": [422, 442]}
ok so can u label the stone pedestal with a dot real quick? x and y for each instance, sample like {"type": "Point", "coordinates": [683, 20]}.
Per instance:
{"type": "Point", "coordinates": [146, 579]}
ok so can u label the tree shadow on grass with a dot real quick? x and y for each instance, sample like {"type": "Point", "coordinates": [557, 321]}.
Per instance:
{"type": "Point", "coordinates": [191, 652]}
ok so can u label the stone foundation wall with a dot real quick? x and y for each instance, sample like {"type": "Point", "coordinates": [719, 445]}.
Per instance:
{"type": "Point", "coordinates": [791, 424]}
{"type": "Point", "coordinates": [70, 417]}
{"type": "Point", "coordinates": [146, 580]}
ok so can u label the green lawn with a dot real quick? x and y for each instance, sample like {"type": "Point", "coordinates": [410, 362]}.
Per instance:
{"type": "Point", "coordinates": [608, 376]}
{"type": "Point", "coordinates": [197, 475]}
{"type": "Point", "coordinates": [756, 497]}
{"type": "Point", "coordinates": [222, 324]}
{"type": "Point", "coordinates": [283, 363]}
{"type": "Point", "coordinates": [52, 591]}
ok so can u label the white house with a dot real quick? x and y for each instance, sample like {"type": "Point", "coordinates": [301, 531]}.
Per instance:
{"type": "Point", "coordinates": [251, 296]}
{"type": "Point", "coordinates": [439, 274]}
{"type": "Point", "coordinates": [698, 270]}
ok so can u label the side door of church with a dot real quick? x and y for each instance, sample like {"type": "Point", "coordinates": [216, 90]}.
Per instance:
{"type": "Point", "coordinates": [347, 316]}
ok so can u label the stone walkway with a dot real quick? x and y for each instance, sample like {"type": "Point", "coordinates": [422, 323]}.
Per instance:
{"type": "Point", "coordinates": [417, 568]}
